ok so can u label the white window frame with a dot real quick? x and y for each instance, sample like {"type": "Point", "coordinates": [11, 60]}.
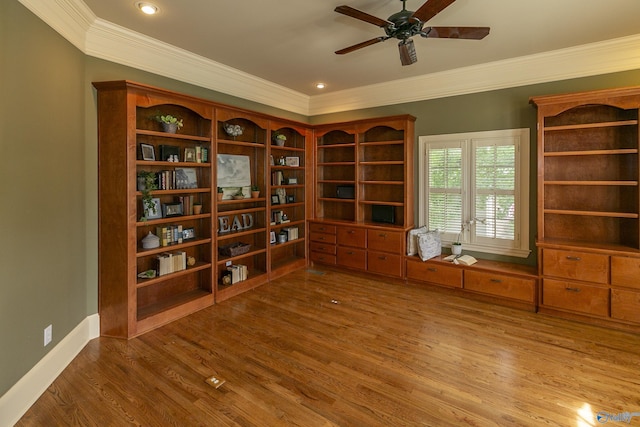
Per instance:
{"type": "Point", "coordinates": [519, 247]}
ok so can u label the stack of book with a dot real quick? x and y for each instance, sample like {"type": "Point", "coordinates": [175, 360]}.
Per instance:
{"type": "Point", "coordinates": [187, 204]}
{"type": "Point", "coordinates": [277, 178]}
{"type": "Point", "coordinates": [202, 154]}
{"type": "Point", "coordinates": [169, 234]}
{"type": "Point", "coordinates": [171, 262]}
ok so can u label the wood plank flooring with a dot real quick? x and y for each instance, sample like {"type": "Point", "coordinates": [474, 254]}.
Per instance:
{"type": "Point", "coordinates": [326, 348]}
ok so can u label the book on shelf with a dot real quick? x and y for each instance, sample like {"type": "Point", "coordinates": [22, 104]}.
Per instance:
{"type": "Point", "coordinates": [171, 262]}
{"type": "Point", "coordinates": [169, 234]}
{"type": "Point", "coordinates": [292, 233]}
{"type": "Point", "coordinates": [239, 273]}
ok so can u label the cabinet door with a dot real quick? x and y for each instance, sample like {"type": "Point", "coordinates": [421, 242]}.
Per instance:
{"type": "Point", "coordinates": [499, 285]}
{"type": "Point", "coordinates": [384, 263]}
{"type": "Point", "coordinates": [352, 258]}
{"type": "Point", "coordinates": [576, 265]}
{"type": "Point", "coordinates": [625, 305]}
{"type": "Point", "coordinates": [385, 241]}
{"type": "Point", "coordinates": [575, 296]}
{"type": "Point", "coordinates": [435, 273]}
{"type": "Point", "coordinates": [625, 271]}
{"type": "Point", "coordinates": [351, 236]}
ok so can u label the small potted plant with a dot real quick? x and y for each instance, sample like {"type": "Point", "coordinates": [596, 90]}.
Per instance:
{"type": "Point", "coordinates": [255, 191]}
{"type": "Point", "coordinates": [170, 124]}
{"type": "Point", "coordinates": [239, 195]}
{"type": "Point", "coordinates": [279, 139]}
{"type": "Point", "coordinates": [456, 247]}
{"type": "Point", "coordinates": [220, 193]}
{"type": "Point", "coordinates": [146, 184]}
{"type": "Point", "coordinates": [197, 208]}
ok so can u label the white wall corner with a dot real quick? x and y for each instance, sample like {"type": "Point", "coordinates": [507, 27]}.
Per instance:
{"type": "Point", "coordinates": [17, 401]}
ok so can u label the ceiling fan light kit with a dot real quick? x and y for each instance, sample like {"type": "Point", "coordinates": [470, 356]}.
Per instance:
{"type": "Point", "coordinates": [405, 24]}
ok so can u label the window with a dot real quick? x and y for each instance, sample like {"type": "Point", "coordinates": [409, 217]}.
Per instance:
{"type": "Point", "coordinates": [474, 187]}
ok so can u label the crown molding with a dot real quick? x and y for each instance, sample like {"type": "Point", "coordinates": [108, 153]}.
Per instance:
{"type": "Point", "coordinates": [609, 56]}
{"type": "Point", "coordinates": [104, 40]}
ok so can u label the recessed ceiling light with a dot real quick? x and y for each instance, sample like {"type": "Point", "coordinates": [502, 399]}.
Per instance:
{"type": "Point", "coordinates": [147, 8]}
{"type": "Point", "coordinates": [320, 85]}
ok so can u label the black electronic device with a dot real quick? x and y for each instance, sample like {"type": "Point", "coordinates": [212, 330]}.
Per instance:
{"type": "Point", "coordinates": [345, 192]}
{"type": "Point", "coordinates": [383, 213]}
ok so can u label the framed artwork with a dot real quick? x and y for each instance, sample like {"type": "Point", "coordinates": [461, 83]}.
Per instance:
{"type": "Point", "coordinates": [148, 152]}
{"type": "Point", "coordinates": [292, 161]}
{"type": "Point", "coordinates": [233, 171]}
{"type": "Point", "coordinates": [171, 209]}
{"type": "Point", "coordinates": [186, 178]}
{"type": "Point", "coordinates": [292, 181]}
{"type": "Point", "coordinates": [155, 213]}
{"type": "Point", "coordinates": [275, 200]}
{"type": "Point", "coordinates": [190, 155]}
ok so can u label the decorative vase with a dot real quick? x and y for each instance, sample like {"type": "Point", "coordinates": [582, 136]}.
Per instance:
{"type": "Point", "coordinates": [456, 249]}
{"type": "Point", "coordinates": [170, 127]}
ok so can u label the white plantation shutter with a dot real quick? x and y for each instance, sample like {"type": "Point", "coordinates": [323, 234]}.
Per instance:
{"type": "Point", "coordinates": [480, 179]}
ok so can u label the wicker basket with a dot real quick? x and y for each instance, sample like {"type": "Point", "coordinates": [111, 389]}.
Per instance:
{"type": "Point", "coordinates": [234, 249]}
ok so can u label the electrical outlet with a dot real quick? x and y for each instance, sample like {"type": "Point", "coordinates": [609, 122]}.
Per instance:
{"type": "Point", "coordinates": [48, 334]}
{"type": "Point", "coordinates": [215, 381]}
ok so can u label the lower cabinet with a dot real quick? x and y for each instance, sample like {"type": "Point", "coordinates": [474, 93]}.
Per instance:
{"type": "Point", "coordinates": [503, 283]}
{"type": "Point", "coordinates": [363, 247]}
{"type": "Point", "coordinates": [601, 286]}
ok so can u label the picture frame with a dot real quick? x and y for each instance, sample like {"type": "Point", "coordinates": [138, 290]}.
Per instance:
{"type": "Point", "coordinates": [275, 200]}
{"type": "Point", "coordinates": [272, 237]}
{"type": "Point", "coordinates": [171, 209]}
{"type": "Point", "coordinates": [292, 161]}
{"type": "Point", "coordinates": [148, 152]}
{"type": "Point", "coordinates": [188, 233]}
{"type": "Point", "coordinates": [157, 214]}
{"type": "Point", "coordinates": [292, 181]}
{"type": "Point", "coordinates": [291, 198]}
{"type": "Point", "coordinates": [190, 155]}
{"type": "Point", "coordinates": [186, 178]}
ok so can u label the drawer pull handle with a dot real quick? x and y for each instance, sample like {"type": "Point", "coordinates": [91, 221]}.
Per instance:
{"type": "Point", "coordinates": [351, 231]}
{"type": "Point", "coordinates": [496, 280]}
{"type": "Point", "coordinates": [572, 289]}
{"type": "Point", "coordinates": [383, 235]}
{"type": "Point", "coordinates": [321, 238]}
{"type": "Point", "coordinates": [349, 253]}
{"type": "Point", "coordinates": [432, 269]}
{"type": "Point", "coordinates": [382, 258]}
{"type": "Point", "coordinates": [573, 258]}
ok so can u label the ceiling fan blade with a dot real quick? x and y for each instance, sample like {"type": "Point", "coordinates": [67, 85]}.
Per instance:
{"type": "Point", "coordinates": [407, 52]}
{"type": "Point", "coordinates": [430, 9]}
{"type": "Point", "coordinates": [361, 45]}
{"type": "Point", "coordinates": [355, 13]}
{"type": "Point", "coordinates": [474, 33]}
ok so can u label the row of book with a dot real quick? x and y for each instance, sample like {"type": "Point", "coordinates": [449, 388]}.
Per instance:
{"type": "Point", "coordinates": [169, 234]}
{"type": "Point", "coordinates": [292, 233]}
{"type": "Point", "coordinates": [171, 262]}
{"type": "Point", "coordinates": [202, 154]}
{"type": "Point", "coordinates": [187, 204]}
{"type": "Point", "coordinates": [235, 273]}
{"type": "Point", "coordinates": [177, 179]}
{"type": "Point", "coordinates": [277, 178]}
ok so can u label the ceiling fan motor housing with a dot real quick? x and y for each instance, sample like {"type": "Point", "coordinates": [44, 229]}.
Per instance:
{"type": "Point", "coordinates": [404, 26]}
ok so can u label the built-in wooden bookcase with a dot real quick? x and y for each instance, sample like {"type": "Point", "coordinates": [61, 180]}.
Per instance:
{"type": "Point", "coordinates": [289, 205]}
{"type": "Point", "coordinates": [588, 206]}
{"type": "Point", "coordinates": [241, 221]}
{"type": "Point", "coordinates": [364, 193]}
{"type": "Point", "coordinates": [129, 304]}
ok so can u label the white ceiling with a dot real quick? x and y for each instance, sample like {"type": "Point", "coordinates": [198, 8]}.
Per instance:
{"type": "Point", "coordinates": [290, 44]}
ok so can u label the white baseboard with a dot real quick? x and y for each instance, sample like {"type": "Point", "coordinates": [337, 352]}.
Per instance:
{"type": "Point", "coordinates": [15, 402]}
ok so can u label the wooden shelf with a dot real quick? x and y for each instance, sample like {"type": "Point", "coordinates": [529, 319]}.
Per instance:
{"type": "Point", "coordinates": [591, 125]}
{"type": "Point", "coordinates": [159, 279]}
{"type": "Point", "coordinates": [594, 183]}
{"type": "Point", "coordinates": [591, 152]}
{"type": "Point", "coordinates": [591, 213]}
{"type": "Point", "coordinates": [173, 135]}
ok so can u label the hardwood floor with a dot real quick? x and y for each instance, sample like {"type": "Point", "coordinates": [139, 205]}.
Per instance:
{"type": "Point", "coordinates": [325, 348]}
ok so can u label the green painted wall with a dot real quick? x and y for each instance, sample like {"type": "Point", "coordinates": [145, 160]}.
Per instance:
{"type": "Point", "coordinates": [48, 170]}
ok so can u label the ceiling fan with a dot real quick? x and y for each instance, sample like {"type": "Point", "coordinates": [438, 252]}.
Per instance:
{"type": "Point", "coordinates": [405, 24]}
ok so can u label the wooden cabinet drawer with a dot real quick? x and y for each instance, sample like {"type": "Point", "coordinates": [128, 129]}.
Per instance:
{"type": "Point", "coordinates": [323, 258]}
{"type": "Point", "coordinates": [385, 241]}
{"type": "Point", "coordinates": [625, 271]}
{"type": "Point", "coordinates": [574, 296]}
{"type": "Point", "coordinates": [351, 236]}
{"type": "Point", "coordinates": [384, 263]}
{"type": "Point", "coordinates": [625, 305]}
{"type": "Point", "coordinates": [326, 248]}
{"type": "Point", "coordinates": [330, 239]}
{"type": "Point", "coordinates": [322, 228]}
{"type": "Point", "coordinates": [499, 285]}
{"type": "Point", "coordinates": [576, 265]}
{"type": "Point", "coordinates": [352, 258]}
{"type": "Point", "coordinates": [434, 273]}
